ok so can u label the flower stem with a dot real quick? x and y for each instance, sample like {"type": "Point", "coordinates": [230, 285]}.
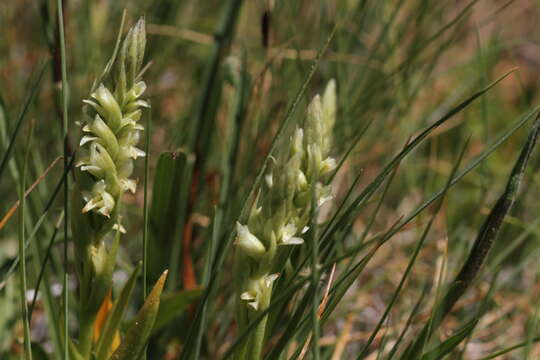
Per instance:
{"type": "Point", "coordinates": [86, 332]}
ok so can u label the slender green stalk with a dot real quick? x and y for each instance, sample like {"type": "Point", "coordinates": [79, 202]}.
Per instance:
{"type": "Point", "coordinates": [511, 348]}
{"type": "Point", "coordinates": [314, 282]}
{"type": "Point", "coordinates": [145, 202]}
{"type": "Point", "coordinates": [145, 211]}
{"type": "Point", "coordinates": [22, 253]}
{"type": "Point", "coordinates": [65, 100]}
{"type": "Point", "coordinates": [44, 265]}
{"type": "Point", "coordinates": [412, 260]}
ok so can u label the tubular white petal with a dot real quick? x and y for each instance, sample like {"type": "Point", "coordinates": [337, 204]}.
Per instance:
{"type": "Point", "coordinates": [85, 139]}
{"type": "Point", "coordinates": [129, 184]}
{"type": "Point", "coordinates": [91, 168]}
{"type": "Point", "coordinates": [327, 165]}
{"type": "Point", "coordinates": [135, 152]}
{"type": "Point", "coordinates": [293, 241]}
{"type": "Point", "coordinates": [269, 180]}
{"type": "Point", "coordinates": [247, 296]}
{"type": "Point", "coordinates": [269, 279]}
{"type": "Point", "coordinates": [119, 227]}
{"type": "Point", "coordinates": [254, 305]}
{"type": "Point", "coordinates": [89, 206]}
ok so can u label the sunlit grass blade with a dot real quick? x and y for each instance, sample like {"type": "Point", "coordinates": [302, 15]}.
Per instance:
{"type": "Point", "coordinates": [451, 343]}
{"type": "Point", "coordinates": [499, 353]}
{"type": "Point", "coordinates": [413, 258]}
{"type": "Point", "coordinates": [414, 312]}
{"type": "Point", "coordinates": [351, 212]}
{"type": "Point", "coordinates": [483, 243]}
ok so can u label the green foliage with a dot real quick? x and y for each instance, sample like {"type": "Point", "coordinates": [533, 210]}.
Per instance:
{"type": "Point", "coordinates": [425, 248]}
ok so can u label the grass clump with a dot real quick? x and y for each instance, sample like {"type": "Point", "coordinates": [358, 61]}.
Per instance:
{"type": "Point", "coordinates": [378, 220]}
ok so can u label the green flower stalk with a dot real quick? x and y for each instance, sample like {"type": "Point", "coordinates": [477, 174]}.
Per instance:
{"type": "Point", "coordinates": [281, 213]}
{"type": "Point", "coordinates": [108, 148]}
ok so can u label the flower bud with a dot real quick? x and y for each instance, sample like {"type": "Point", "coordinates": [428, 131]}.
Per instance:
{"type": "Point", "coordinates": [259, 291]}
{"type": "Point", "coordinates": [248, 242]}
{"type": "Point", "coordinates": [130, 58]}
{"type": "Point", "coordinates": [327, 165]}
{"type": "Point", "coordinates": [135, 92]}
{"type": "Point", "coordinates": [297, 141]}
{"type": "Point", "coordinates": [287, 235]}
{"type": "Point", "coordinates": [101, 159]}
{"type": "Point", "coordinates": [314, 130]}
{"type": "Point", "coordinates": [104, 135]}
{"type": "Point", "coordinates": [98, 198]}
{"type": "Point", "coordinates": [269, 179]}
{"type": "Point", "coordinates": [107, 107]}
{"type": "Point", "coordinates": [329, 105]}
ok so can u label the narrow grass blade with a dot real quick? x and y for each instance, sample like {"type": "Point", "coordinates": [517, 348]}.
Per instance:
{"type": "Point", "coordinates": [471, 166]}
{"type": "Point", "coordinates": [173, 304]}
{"type": "Point", "coordinates": [482, 245]}
{"type": "Point", "coordinates": [145, 202]}
{"type": "Point", "coordinates": [12, 210]}
{"type": "Point", "coordinates": [413, 258]}
{"type": "Point", "coordinates": [499, 353]}
{"type": "Point", "coordinates": [43, 266]}
{"type": "Point", "coordinates": [451, 343]}
{"type": "Point", "coordinates": [65, 101]}
{"type": "Point", "coordinates": [137, 335]}
{"type": "Point", "coordinates": [33, 90]}
{"type": "Point", "coordinates": [408, 324]}
{"type": "Point", "coordinates": [352, 211]}
{"type": "Point", "coordinates": [30, 238]}
{"type": "Point", "coordinates": [22, 254]}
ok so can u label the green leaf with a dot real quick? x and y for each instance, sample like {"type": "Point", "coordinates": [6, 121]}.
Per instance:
{"type": "Point", "coordinates": [138, 334]}
{"type": "Point", "coordinates": [173, 304]}
{"type": "Point", "coordinates": [451, 343]}
{"type": "Point", "coordinates": [164, 210]}
{"type": "Point", "coordinates": [115, 316]}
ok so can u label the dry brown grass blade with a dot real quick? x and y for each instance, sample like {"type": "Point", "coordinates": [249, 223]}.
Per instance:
{"type": "Point", "coordinates": [15, 206]}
